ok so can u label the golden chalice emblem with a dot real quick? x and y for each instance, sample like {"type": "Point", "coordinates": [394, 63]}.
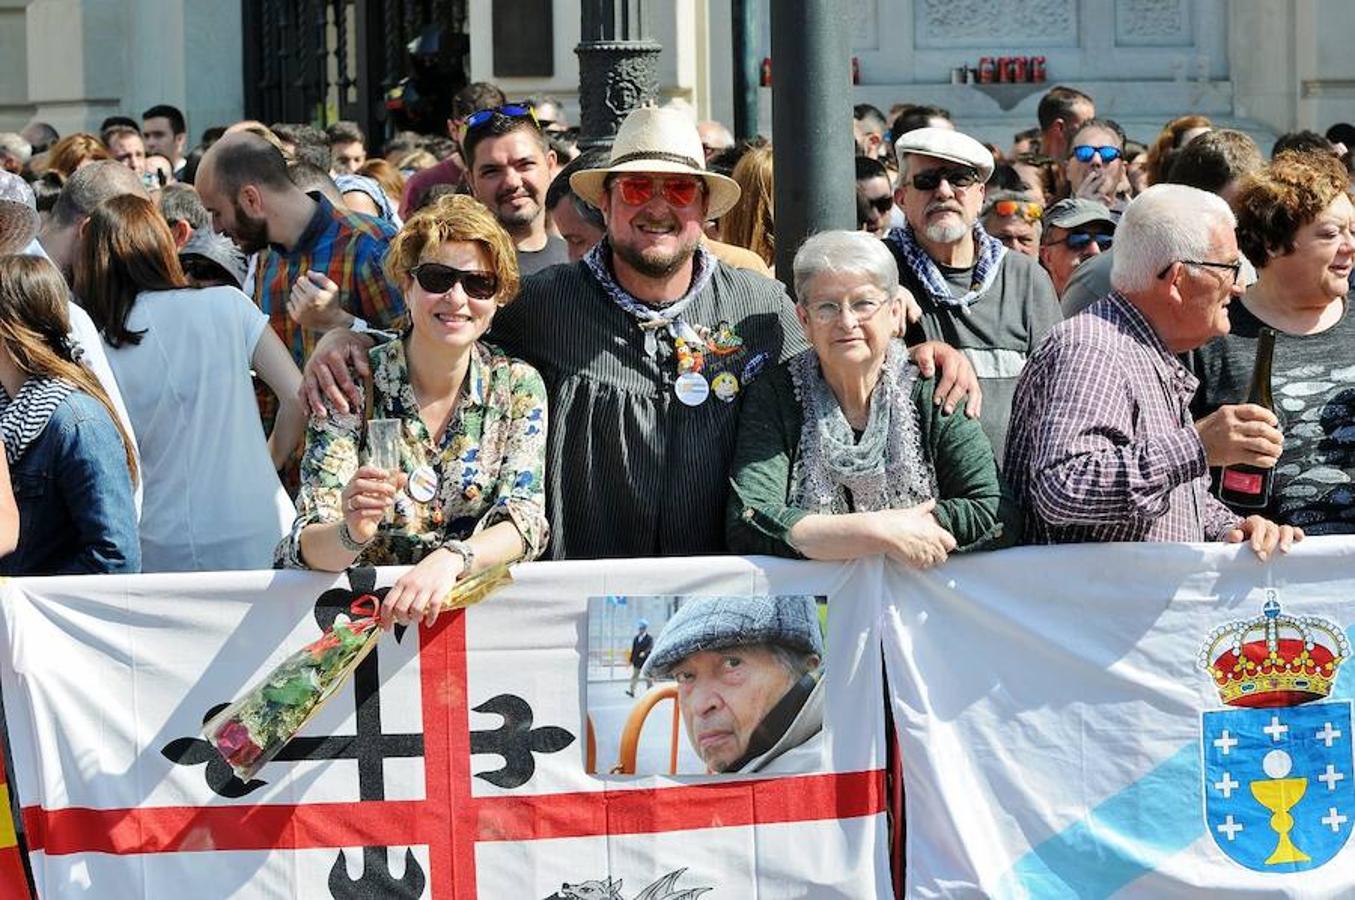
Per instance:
{"type": "Point", "coordinates": [1279, 795]}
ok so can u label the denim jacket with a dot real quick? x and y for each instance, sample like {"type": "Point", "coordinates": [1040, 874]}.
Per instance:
{"type": "Point", "coordinates": [74, 493]}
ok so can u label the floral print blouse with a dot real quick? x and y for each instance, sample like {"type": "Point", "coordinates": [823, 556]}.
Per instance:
{"type": "Point", "coordinates": [488, 465]}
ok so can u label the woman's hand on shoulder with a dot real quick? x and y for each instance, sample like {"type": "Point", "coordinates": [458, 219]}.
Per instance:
{"type": "Point", "coordinates": [418, 593]}
{"type": "Point", "coordinates": [912, 537]}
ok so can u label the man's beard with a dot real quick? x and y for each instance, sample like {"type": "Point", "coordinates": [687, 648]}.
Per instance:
{"type": "Point", "coordinates": [655, 263]}
{"type": "Point", "coordinates": [947, 232]}
{"type": "Point", "coordinates": [251, 234]}
{"type": "Point", "coordinates": [511, 217]}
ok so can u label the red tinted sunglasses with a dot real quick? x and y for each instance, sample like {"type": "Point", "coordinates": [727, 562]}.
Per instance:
{"type": "Point", "coordinates": [637, 190]}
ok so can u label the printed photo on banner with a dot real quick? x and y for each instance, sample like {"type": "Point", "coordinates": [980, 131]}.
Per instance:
{"type": "Point", "coordinates": [699, 685]}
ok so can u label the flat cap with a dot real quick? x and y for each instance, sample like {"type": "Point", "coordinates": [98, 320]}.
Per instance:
{"type": "Point", "coordinates": [948, 144]}
{"type": "Point", "coordinates": [1073, 212]}
{"type": "Point", "coordinates": [714, 623]}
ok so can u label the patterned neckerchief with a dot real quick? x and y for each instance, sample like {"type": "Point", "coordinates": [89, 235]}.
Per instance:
{"type": "Point", "coordinates": [988, 260]}
{"type": "Point", "coordinates": [599, 262]}
{"type": "Point", "coordinates": [24, 417]}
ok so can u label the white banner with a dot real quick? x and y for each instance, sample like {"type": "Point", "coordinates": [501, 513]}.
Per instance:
{"type": "Point", "coordinates": [451, 766]}
{"type": "Point", "coordinates": [1061, 736]}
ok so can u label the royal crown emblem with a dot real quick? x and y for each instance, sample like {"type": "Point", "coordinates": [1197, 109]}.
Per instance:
{"type": "Point", "coordinates": [1274, 659]}
{"type": "Point", "coordinates": [1279, 775]}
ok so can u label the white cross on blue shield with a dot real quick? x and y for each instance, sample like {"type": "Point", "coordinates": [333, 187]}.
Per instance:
{"type": "Point", "coordinates": [1279, 790]}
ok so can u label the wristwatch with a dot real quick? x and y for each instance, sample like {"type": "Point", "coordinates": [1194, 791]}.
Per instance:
{"type": "Point", "coordinates": [463, 550]}
{"type": "Point", "coordinates": [347, 540]}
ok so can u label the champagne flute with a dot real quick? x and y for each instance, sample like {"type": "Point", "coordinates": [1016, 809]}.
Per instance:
{"type": "Point", "coordinates": [383, 449]}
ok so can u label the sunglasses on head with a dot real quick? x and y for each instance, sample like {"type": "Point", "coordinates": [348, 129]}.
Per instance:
{"type": "Point", "coordinates": [1084, 152]}
{"type": "Point", "coordinates": [435, 278]}
{"type": "Point", "coordinates": [1079, 240]}
{"type": "Point", "coordinates": [956, 178]}
{"type": "Point", "coordinates": [508, 110]}
{"type": "Point", "coordinates": [1028, 210]}
{"type": "Point", "coordinates": [637, 190]}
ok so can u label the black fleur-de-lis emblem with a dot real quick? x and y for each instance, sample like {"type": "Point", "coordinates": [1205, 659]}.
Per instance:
{"type": "Point", "coordinates": [376, 881]}
{"type": "Point", "coordinates": [196, 751]}
{"type": "Point", "coordinates": [515, 740]}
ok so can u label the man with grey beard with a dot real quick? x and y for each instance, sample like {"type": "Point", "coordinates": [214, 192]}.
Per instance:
{"type": "Point", "coordinates": [993, 305]}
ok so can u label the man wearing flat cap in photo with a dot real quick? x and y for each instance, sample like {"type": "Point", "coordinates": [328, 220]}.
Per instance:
{"type": "Point", "coordinates": [749, 681]}
{"type": "Point", "coordinates": [647, 345]}
{"type": "Point", "coordinates": [1076, 231]}
{"type": "Point", "coordinates": [993, 304]}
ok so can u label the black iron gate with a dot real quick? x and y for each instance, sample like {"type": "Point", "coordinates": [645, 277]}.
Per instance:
{"type": "Point", "coordinates": [319, 61]}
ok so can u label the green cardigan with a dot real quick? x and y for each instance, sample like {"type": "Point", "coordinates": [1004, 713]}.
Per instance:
{"type": "Point", "coordinates": [971, 503]}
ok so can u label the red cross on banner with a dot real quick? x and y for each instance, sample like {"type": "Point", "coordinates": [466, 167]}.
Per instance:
{"type": "Point", "coordinates": [460, 834]}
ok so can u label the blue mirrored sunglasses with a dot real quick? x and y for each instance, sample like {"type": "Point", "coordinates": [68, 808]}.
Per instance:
{"type": "Point", "coordinates": [1084, 153]}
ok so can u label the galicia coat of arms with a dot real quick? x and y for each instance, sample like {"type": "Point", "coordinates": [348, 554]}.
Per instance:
{"type": "Point", "coordinates": [1279, 790]}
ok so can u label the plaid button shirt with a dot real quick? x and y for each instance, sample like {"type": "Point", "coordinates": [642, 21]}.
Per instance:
{"type": "Point", "coordinates": [1102, 446]}
{"type": "Point", "coordinates": [347, 247]}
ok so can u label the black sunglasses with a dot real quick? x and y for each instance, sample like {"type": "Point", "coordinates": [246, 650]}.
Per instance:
{"type": "Point", "coordinates": [435, 278]}
{"type": "Point", "coordinates": [1080, 240]}
{"type": "Point", "coordinates": [882, 204]}
{"type": "Point", "coordinates": [956, 178]}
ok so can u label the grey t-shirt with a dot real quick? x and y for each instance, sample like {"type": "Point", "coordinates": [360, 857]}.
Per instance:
{"type": "Point", "coordinates": [1313, 383]}
{"type": "Point", "coordinates": [997, 332]}
{"type": "Point", "coordinates": [533, 261]}
{"type": "Point", "coordinates": [1088, 283]}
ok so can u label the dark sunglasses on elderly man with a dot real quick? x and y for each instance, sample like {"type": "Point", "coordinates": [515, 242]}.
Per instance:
{"type": "Point", "coordinates": [435, 278]}
{"type": "Point", "coordinates": [508, 110]}
{"type": "Point", "coordinates": [930, 180]}
{"type": "Point", "coordinates": [1083, 153]}
{"type": "Point", "coordinates": [637, 190]}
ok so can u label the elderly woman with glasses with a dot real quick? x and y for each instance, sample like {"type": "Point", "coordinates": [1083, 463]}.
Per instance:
{"type": "Point", "coordinates": [841, 452]}
{"type": "Point", "coordinates": [468, 491]}
{"type": "Point", "coordinates": [1296, 224]}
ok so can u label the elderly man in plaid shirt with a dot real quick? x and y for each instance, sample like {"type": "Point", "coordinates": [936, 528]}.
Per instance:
{"type": "Point", "coordinates": [1102, 446]}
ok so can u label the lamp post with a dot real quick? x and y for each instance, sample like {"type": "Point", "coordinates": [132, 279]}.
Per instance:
{"type": "Point", "coordinates": [747, 68]}
{"type": "Point", "coordinates": [812, 148]}
{"type": "Point", "coordinates": [617, 68]}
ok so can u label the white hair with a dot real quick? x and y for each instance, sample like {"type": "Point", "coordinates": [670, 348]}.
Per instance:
{"type": "Point", "coordinates": [14, 146]}
{"type": "Point", "coordinates": [1167, 223]}
{"type": "Point", "coordinates": [842, 252]}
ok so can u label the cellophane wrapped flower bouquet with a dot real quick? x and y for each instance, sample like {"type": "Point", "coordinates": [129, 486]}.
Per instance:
{"type": "Point", "coordinates": [255, 728]}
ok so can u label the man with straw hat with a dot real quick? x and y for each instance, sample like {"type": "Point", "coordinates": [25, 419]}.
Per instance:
{"type": "Point", "coordinates": [646, 346]}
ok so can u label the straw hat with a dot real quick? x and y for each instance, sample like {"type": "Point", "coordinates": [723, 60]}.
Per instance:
{"type": "Point", "coordinates": [661, 142]}
{"type": "Point", "coordinates": [18, 213]}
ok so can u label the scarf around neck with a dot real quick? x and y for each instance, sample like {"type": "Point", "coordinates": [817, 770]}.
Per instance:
{"type": "Point", "coordinates": [885, 469]}
{"type": "Point", "coordinates": [668, 318]}
{"type": "Point", "coordinates": [24, 416]}
{"type": "Point", "coordinates": [988, 255]}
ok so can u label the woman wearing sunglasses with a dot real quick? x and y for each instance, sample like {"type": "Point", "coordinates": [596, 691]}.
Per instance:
{"type": "Point", "coordinates": [841, 453]}
{"type": "Point", "coordinates": [1296, 224]}
{"type": "Point", "coordinates": [469, 491]}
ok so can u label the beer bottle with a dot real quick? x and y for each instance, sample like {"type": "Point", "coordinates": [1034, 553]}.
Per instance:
{"type": "Point", "coordinates": [1249, 486]}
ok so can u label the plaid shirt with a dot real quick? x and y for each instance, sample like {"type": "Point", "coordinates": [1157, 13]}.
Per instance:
{"type": "Point", "coordinates": [347, 247]}
{"type": "Point", "coordinates": [1102, 446]}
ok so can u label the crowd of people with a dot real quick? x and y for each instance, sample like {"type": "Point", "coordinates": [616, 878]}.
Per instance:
{"type": "Point", "coordinates": [281, 348]}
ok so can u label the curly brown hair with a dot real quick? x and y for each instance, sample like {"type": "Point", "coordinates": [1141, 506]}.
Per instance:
{"type": "Point", "coordinates": [455, 217]}
{"type": "Point", "coordinates": [1273, 203]}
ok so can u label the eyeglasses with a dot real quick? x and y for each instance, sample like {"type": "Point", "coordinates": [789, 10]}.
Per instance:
{"type": "Point", "coordinates": [882, 205]}
{"type": "Point", "coordinates": [1028, 210]}
{"type": "Point", "coordinates": [637, 190]}
{"type": "Point", "coordinates": [1081, 240]}
{"type": "Point", "coordinates": [827, 312]}
{"type": "Point", "coordinates": [1234, 267]}
{"type": "Point", "coordinates": [508, 110]}
{"type": "Point", "coordinates": [956, 178]}
{"type": "Point", "coordinates": [1084, 152]}
{"type": "Point", "coordinates": [435, 278]}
